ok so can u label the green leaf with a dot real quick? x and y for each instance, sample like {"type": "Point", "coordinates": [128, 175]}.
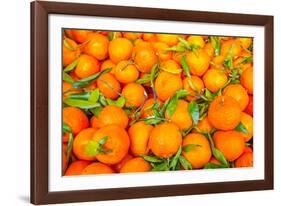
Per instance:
{"type": "Point", "coordinates": [152, 159]}
{"type": "Point", "coordinates": [181, 93]}
{"type": "Point", "coordinates": [172, 106]}
{"type": "Point", "coordinates": [189, 147]}
{"type": "Point", "coordinates": [160, 167]}
{"type": "Point", "coordinates": [185, 163]}
{"type": "Point", "coordinates": [67, 45]}
{"type": "Point", "coordinates": [120, 102]}
{"type": "Point", "coordinates": [176, 48]}
{"type": "Point", "coordinates": [211, 165]}
{"type": "Point", "coordinates": [92, 148]}
{"type": "Point", "coordinates": [175, 159]}
{"type": "Point", "coordinates": [66, 128]}
{"type": "Point", "coordinates": [193, 110]}
{"type": "Point", "coordinates": [80, 95]}
{"type": "Point", "coordinates": [209, 95]}
{"type": "Point", "coordinates": [185, 43]}
{"type": "Point", "coordinates": [69, 146]}
{"type": "Point", "coordinates": [66, 77]}
{"type": "Point", "coordinates": [94, 95]}
{"type": "Point", "coordinates": [247, 59]}
{"type": "Point", "coordinates": [152, 120]}
{"type": "Point", "coordinates": [216, 44]}
{"type": "Point", "coordinates": [83, 104]}
{"type": "Point", "coordinates": [241, 128]}
{"type": "Point", "coordinates": [219, 156]}
{"type": "Point", "coordinates": [71, 66]}
{"type": "Point", "coordinates": [144, 80]}
{"type": "Point", "coordinates": [103, 140]}
{"type": "Point", "coordinates": [103, 101]}
{"type": "Point", "coordinates": [96, 111]}
{"type": "Point", "coordinates": [185, 66]}
{"type": "Point", "coordinates": [227, 62]}
{"type": "Point", "coordinates": [86, 81]}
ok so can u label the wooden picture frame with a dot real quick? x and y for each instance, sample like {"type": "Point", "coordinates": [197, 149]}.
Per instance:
{"type": "Point", "coordinates": [39, 102]}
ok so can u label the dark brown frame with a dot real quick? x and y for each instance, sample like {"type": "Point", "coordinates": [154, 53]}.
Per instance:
{"type": "Point", "coordinates": [39, 101]}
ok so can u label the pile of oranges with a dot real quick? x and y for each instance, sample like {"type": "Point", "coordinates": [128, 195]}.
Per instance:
{"type": "Point", "coordinates": [140, 102]}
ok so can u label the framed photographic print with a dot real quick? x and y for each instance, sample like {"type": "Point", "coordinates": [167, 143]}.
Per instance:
{"type": "Point", "coordinates": [131, 102]}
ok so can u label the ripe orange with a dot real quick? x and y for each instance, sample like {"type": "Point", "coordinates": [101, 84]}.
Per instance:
{"type": "Point", "coordinates": [196, 40]}
{"type": "Point", "coordinates": [245, 160]}
{"type": "Point", "coordinates": [224, 113]}
{"type": "Point", "coordinates": [171, 66]}
{"type": "Point", "coordinates": [132, 35]}
{"type": "Point", "coordinates": [245, 42]}
{"type": "Point", "coordinates": [150, 37]}
{"type": "Point", "coordinates": [166, 84]}
{"type": "Point", "coordinates": [217, 62]}
{"type": "Point", "coordinates": [108, 64]}
{"type": "Point", "coordinates": [126, 72]}
{"type": "Point", "coordinates": [165, 140]}
{"type": "Point", "coordinates": [194, 86]}
{"type": "Point", "coordinates": [227, 45]}
{"type": "Point", "coordinates": [76, 168]}
{"type": "Point", "coordinates": [87, 66]}
{"type": "Point", "coordinates": [247, 122]}
{"type": "Point", "coordinates": [70, 54]}
{"type": "Point", "coordinates": [75, 118]}
{"type": "Point", "coordinates": [80, 142]}
{"type": "Point", "coordinates": [170, 39]}
{"type": "Point", "coordinates": [203, 126]}
{"type": "Point", "coordinates": [209, 49]}
{"type": "Point", "coordinates": [80, 36]}
{"type": "Point", "coordinates": [139, 135]}
{"type": "Point", "coordinates": [146, 110]}
{"type": "Point", "coordinates": [117, 167]}
{"type": "Point", "coordinates": [120, 49]}
{"type": "Point", "coordinates": [112, 114]}
{"type": "Point", "coordinates": [116, 146]}
{"type": "Point", "coordinates": [97, 168]}
{"type": "Point", "coordinates": [201, 153]}
{"type": "Point", "coordinates": [109, 86]}
{"type": "Point", "coordinates": [145, 57]}
{"type": "Point", "coordinates": [134, 94]}
{"type": "Point", "coordinates": [136, 164]}
{"type": "Point", "coordinates": [249, 108]}
{"type": "Point", "coordinates": [198, 62]}
{"type": "Point", "coordinates": [246, 80]}
{"type": "Point", "coordinates": [230, 143]}
{"type": "Point", "coordinates": [181, 116]}
{"type": "Point", "coordinates": [160, 49]}
{"type": "Point", "coordinates": [237, 92]}
{"type": "Point", "coordinates": [214, 79]}
{"type": "Point", "coordinates": [97, 46]}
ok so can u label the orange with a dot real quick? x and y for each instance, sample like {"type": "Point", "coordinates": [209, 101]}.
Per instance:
{"type": "Point", "coordinates": [134, 94]}
{"type": "Point", "coordinates": [117, 167]}
{"type": "Point", "coordinates": [194, 86]}
{"type": "Point", "coordinates": [160, 49]}
{"type": "Point", "coordinates": [80, 36]}
{"type": "Point", "coordinates": [97, 168]}
{"type": "Point", "coordinates": [245, 160]}
{"type": "Point", "coordinates": [246, 79]}
{"type": "Point", "coordinates": [97, 46]}
{"type": "Point", "coordinates": [116, 146]}
{"type": "Point", "coordinates": [214, 79]}
{"type": "Point", "coordinates": [227, 45]}
{"type": "Point", "coordinates": [165, 140]}
{"type": "Point", "coordinates": [224, 113]}
{"type": "Point", "coordinates": [146, 110]}
{"type": "Point", "coordinates": [166, 85]}
{"type": "Point", "coordinates": [237, 92]}
{"type": "Point", "coordinates": [209, 49]}
{"type": "Point", "coordinates": [245, 42]}
{"type": "Point", "coordinates": [249, 108]}
{"type": "Point", "coordinates": [108, 64]}
{"type": "Point", "coordinates": [201, 153]}
{"type": "Point", "coordinates": [136, 164]}
{"type": "Point", "coordinates": [80, 142]}
{"type": "Point", "coordinates": [95, 122]}
{"type": "Point", "coordinates": [109, 86]}
{"type": "Point", "coordinates": [181, 116]}
{"type": "Point", "coordinates": [76, 168]}
{"type": "Point", "coordinates": [112, 114]}
{"type": "Point", "coordinates": [171, 66]}
{"type": "Point", "coordinates": [87, 66]}
{"type": "Point", "coordinates": [203, 126]}
{"type": "Point", "coordinates": [196, 40]}
{"type": "Point", "coordinates": [139, 135]}
{"type": "Point", "coordinates": [68, 33]}
{"type": "Point", "coordinates": [150, 37]}
{"type": "Point", "coordinates": [145, 57]}
{"type": "Point", "coordinates": [217, 62]}
{"type": "Point", "coordinates": [170, 39]}
{"type": "Point", "coordinates": [75, 118]}
{"type": "Point", "coordinates": [198, 62]}
{"type": "Point", "coordinates": [120, 49]}
{"type": "Point", "coordinates": [126, 72]}
{"type": "Point", "coordinates": [132, 35]}
{"type": "Point", "coordinates": [247, 122]}
{"type": "Point", "coordinates": [70, 54]}
{"type": "Point", "coordinates": [177, 56]}
{"type": "Point", "coordinates": [230, 143]}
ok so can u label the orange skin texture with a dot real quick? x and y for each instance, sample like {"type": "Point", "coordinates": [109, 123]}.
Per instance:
{"type": "Point", "coordinates": [95, 122]}
{"type": "Point", "coordinates": [237, 92]}
{"type": "Point", "coordinates": [117, 167]}
{"type": "Point", "coordinates": [218, 60]}
{"type": "Point", "coordinates": [126, 72]}
{"type": "Point", "coordinates": [160, 49]}
{"type": "Point", "coordinates": [132, 35]}
{"type": "Point", "coordinates": [87, 66]}
{"type": "Point", "coordinates": [191, 83]}
{"type": "Point", "coordinates": [80, 141]}
{"type": "Point", "coordinates": [181, 116]}
{"type": "Point", "coordinates": [68, 33]}
{"type": "Point", "coordinates": [165, 140]}
{"type": "Point", "coordinates": [97, 168]}
{"type": "Point", "coordinates": [150, 37]}
{"type": "Point", "coordinates": [108, 64]}
{"type": "Point", "coordinates": [136, 164]}
{"type": "Point", "coordinates": [134, 94]}
{"type": "Point", "coordinates": [246, 80]}
{"type": "Point", "coordinates": [75, 118]}
{"type": "Point", "coordinates": [146, 110]}
{"type": "Point", "coordinates": [245, 42]}
{"type": "Point", "coordinates": [117, 144]}
{"type": "Point", "coordinates": [204, 126]}
{"type": "Point", "coordinates": [230, 143]}
{"type": "Point", "coordinates": [120, 49]}
{"type": "Point", "coordinates": [177, 57]}
{"type": "Point", "coordinates": [169, 39]}
{"type": "Point", "coordinates": [113, 115]}
{"type": "Point", "coordinates": [236, 48]}
{"type": "Point", "coordinates": [68, 89]}
{"type": "Point", "coordinates": [70, 55]}
{"type": "Point", "coordinates": [171, 66]}
{"type": "Point", "coordinates": [245, 160]}
{"type": "Point", "coordinates": [97, 46]}
{"type": "Point", "coordinates": [76, 168]}
{"type": "Point", "coordinates": [249, 108]}
{"type": "Point", "coordinates": [200, 155]}
{"type": "Point", "coordinates": [209, 49]}
{"type": "Point", "coordinates": [224, 113]}
{"type": "Point", "coordinates": [247, 121]}
{"type": "Point", "coordinates": [197, 40]}
{"type": "Point", "coordinates": [109, 86]}
{"type": "Point", "coordinates": [198, 62]}
{"type": "Point", "coordinates": [139, 134]}
{"type": "Point", "coordinates": [214, 79]}
{"type": "Point", "coordinates": [166, 85]}
{"type": "Point", "coordinates": [145, 58]}
{"type": "Point", "coordinates": [80, 36]}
